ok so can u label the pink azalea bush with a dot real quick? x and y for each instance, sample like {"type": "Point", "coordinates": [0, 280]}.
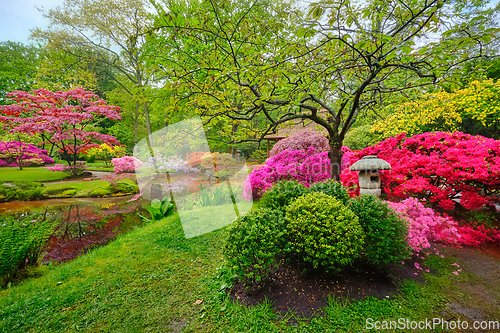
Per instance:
{"type": "Point", "coordinates": [306, 166]}
{"type": "Point", "coordinates": [301, 140]}
{"type": "Point", "coordinates": [77, 169]}
{"type": "Point", "coordinates": [126, 164]}
{"type": "Point", "coordinates": [425, 225]}
{"type": "Point", "coordinates": [439, 167]}
{"type": "Point", "coordinates": [14, 152]}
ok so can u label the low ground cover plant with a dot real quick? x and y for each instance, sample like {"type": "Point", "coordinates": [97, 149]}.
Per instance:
{"type": "Point", "coordinates": [21, 244]}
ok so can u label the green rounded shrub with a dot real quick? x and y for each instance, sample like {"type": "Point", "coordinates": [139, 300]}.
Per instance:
{"type": "Point", "coordinates": [332, 188]}
{"type": "Point", "coordinates": [255, 245]}
{"type": "Point", "coordinates": [324, 232]}
{"type": "Point", "coordinates": [282, 193]}
{"type": "Point", "coordinates": [386, 233]}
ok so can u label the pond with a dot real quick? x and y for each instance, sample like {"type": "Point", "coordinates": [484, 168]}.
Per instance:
{"type": "Point", "coordinates": [82, 223]}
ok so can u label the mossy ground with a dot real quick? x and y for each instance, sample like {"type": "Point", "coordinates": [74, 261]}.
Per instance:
{"type": "Point", "coordinates": [91, 189]}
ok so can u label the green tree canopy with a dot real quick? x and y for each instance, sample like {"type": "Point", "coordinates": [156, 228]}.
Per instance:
{"type": "Point", "coordinates": [18, 67]}
{"type": "Point", "coordinates": [240, 59]}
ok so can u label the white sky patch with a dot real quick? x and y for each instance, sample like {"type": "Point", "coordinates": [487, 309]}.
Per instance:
{"type": "Point", "coordinates": [19, 16]}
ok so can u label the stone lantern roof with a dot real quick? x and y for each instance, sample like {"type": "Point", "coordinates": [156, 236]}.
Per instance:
{"type": "Point", "coordinates": [370, 162]}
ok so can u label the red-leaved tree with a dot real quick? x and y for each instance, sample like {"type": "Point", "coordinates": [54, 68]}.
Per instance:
{"type": "Point", "coordinates": [61, 118]}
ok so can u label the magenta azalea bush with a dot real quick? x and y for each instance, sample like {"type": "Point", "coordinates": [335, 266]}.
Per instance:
{"type": "Point", "coordinates": [425, 225]}
{"type": "Point", "coordinates": [306, 166]}
{"type": "Point", "coordinates": [13, 153]}
{"type": "Point", "coordinates": [439, 167]}
{"type": "Point", "coordinates": [301, 140]}
{"type": "Point", "coordinates": [126, 164]}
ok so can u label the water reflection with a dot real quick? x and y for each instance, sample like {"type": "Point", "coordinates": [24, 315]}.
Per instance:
{"type": "Point", "coordinates": [83, 224]}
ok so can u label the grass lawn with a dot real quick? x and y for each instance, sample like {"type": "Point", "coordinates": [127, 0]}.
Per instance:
{"type": "Point", "coordinates": [99, 166]}
{"type": "Point", "coordinates": [39, 174]}
{"type": "Point", "coordinates": [155, 280]}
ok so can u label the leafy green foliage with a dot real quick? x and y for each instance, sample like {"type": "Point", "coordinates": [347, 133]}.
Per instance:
{"type": "Point", "coordinates": [18, 67]}
{"type": "Point", "coordinates": [324, 232]}
{"type": "Point", "coordinates": [331, 188]}
{"type": "Point", "coordinates": [21, 190]}
{"type": "Point", "coordinates": [386, 233]}
{"type": "Point", "coordinates": [21, 244]}
{"type": "Point", "coordinates": [160, 209]}
{"type": "Point", "coordinates": [255, 244]}
{"type": "Point", "coordinates": [361, 137]}
{"type": "Point", "coordinates": [282, 193]}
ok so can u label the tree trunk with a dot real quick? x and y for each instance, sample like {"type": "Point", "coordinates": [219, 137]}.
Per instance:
{"type": "Point", "coordinates": [136, 122]}
{"type": "Point", "coordinates": [149, 137]}
{"type": "Point", "coordinates": [335, 155]}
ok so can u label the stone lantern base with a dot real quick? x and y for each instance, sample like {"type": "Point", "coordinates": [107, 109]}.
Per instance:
{"type": "Point", "coordinates": [373, 191]}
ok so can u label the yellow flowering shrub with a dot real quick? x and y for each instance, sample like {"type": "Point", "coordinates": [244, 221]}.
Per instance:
{"type": "Point", "coordinates": [443, 111]}
{"type": "Point", "coordinates": [106, 153]}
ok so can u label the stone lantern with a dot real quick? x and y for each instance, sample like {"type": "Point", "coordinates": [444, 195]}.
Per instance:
{"type": "Point", "coordinates": [369, 177]}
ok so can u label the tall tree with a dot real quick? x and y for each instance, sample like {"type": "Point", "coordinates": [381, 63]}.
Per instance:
{"type": "Point", "coordinates": [18, 67]}
{"type": "Point", "coordinates": [240, 59]}
{"type": "Point", "coordinates": [62, 118]}
{"type": "Point", "coordinates": [114, 31]}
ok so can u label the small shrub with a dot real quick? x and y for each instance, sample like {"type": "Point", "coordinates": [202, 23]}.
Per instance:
{"type": "Point", "coordinates": [282, 193]}
{"type": "Point", "coordinates": [324, 232]}
{"type": "Point", "coordinates": [255, 245]}
{"type": "Point", "coordinates": [332, 188]}
{"type": "Point", "coordinates": [386, 233]}
{"type": "Point", "coordinates": [126, 164]}
{"type": "Point", "coordinates": [21, 190]}
{"type": "Point", "coordinates": [21, 244]}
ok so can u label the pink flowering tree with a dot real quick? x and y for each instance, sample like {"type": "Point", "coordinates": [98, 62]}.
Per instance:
{"type": "Point", "coordinates": [439, 167]}
{"type": "Point", "coordinates": [301, 140]}
{"type": "Point", "coordinates": [306, 166]}
{"type": "Point", "coordinates": [61, 118]}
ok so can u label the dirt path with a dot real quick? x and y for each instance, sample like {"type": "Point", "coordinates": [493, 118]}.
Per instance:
{"type": "Point", "coordinates": [478, 297]}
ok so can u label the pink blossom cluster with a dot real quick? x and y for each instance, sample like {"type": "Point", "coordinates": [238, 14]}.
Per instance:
{"type": "Point", "coordinates": [14, 152]}
{"type": "Point", "coordinates": [116, 177]}
{"type": "Point", "coordinates": [439, 166]}
{"type": "Point", "coordinates": [126, 164]}
{"type": "Point", "coordinates": [306, 166]}
{"type": "Point", "coordinates": [301, 140]}
{"type": "Point", "coordinates": [77, 169]}
{"type": "Point", "coordinates": [425, 225]}
{"type": "Point", "coordinates": [56, 167]}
